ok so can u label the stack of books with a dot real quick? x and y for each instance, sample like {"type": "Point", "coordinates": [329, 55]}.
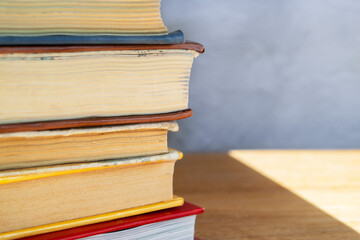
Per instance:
{"type": "Point", "coordinates": [88, 92]}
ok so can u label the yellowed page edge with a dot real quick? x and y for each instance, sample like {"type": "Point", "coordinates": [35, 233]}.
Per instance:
{"type": "Point", "coordinates": [27, 232]}
{"type": "Point", "coordinates": [17, 175]}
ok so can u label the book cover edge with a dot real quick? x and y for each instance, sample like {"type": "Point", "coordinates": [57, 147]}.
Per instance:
{"type": "Point", "coordinates": [187, 209]}
{"type": "Point", "coordinates": [94, 122]}
{"type": "Point", "coordinates": [170, 38]}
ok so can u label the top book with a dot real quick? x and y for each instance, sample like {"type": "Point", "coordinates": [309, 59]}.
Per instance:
{"type": "Point", "coordinates": [83, 22]}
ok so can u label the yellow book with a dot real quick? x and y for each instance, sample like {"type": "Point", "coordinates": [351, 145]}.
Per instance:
{"type": "Point", "coordinates": [81, 17]}
{"type": "Point", "coordinates": [40, 148]}
{"type": "Point", "coordinates": [32, 197]}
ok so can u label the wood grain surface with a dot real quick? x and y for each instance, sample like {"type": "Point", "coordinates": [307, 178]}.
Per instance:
{"type": "Point", "coordinates": [241, 203]}
{"type": "Point", "coordinates": [330, 180]}
{"type": "Point", "coordinates": [96, 121]}
{"type": "Point", "coordinates": [86, 48]}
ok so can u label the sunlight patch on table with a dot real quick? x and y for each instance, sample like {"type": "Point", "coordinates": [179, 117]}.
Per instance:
{"type": "Point", "coordinates": [330, 180]}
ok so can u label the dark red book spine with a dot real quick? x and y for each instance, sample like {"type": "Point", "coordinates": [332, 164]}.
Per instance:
{"type": "Point", "coordinates": [187, 209]}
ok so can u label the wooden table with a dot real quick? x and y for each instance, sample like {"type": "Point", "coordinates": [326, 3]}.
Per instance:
{"type": "Point", "coordinates": [273, 194]}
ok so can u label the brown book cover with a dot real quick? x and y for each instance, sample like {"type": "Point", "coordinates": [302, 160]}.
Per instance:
{"type": "Point", "coordinates": [93, 122]}
{"type": "Point", "coordinates": [87, 48]}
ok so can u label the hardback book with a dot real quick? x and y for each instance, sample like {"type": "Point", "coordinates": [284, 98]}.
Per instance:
{"type": "Point", "coordinates": [173, 223]}
{"type": "Point", "coordinates": [44, 231]}
{"type": "Point", "coordinates": [71, 82]}
{"type": "Point", "coordinates": [42, 148]}
{"type": "Point", "coordinates": [45, 196]}
{"type": "Point", "coordinates": [94, 121]}
{"type": "Point", "coordinates": [83, 22]}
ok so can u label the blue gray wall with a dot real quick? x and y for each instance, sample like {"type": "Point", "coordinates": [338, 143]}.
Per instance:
{"type": "Point", "coordinates": [276, 73]}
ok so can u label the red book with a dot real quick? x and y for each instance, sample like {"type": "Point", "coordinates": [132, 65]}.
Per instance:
{"type": "Point", "coordinates": [186, 210]}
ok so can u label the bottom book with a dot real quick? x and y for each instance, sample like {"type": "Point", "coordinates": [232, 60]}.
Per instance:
{"type": "Point", "coordinates": [174, 223]}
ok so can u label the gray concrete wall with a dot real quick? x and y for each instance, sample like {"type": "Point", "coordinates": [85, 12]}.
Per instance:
{"type": "Point", "coordinates": [276, 73]}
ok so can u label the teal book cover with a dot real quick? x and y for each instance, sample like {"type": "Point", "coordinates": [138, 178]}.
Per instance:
{"type": "Point", "coordinates": [170, 38]}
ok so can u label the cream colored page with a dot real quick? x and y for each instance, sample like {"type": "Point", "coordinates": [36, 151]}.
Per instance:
{"type": "Point", "coordinates": [172, 155]}
{"type": "Point", "coordinates": [52, 86]}
{"type": "Point", "coordinates": [40, 148]}
{"type": "Point", "coordinates": [170, 125]}
{"type": "Point", "coordinates": [80, 17]}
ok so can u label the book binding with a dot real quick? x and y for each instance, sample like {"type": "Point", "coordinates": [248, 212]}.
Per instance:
{"type": "Point", "coordinates": [170, 38]}
{"type": "Point", "coordinates": [185, 210]}
{"type": "Point", "coordinates": [94, 122]}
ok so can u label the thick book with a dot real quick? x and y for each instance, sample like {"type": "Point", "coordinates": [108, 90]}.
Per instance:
{"type": "Point", "coordinates": [173, 223]}
{"type": "Point", "coordinates": [42, 148]}
{"type": "Point", "coordinates": [71, 82]}
{"type": "Point", "coordinates": [83, 22]}
{"type": "Point", "coordinates": [33, 197]}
